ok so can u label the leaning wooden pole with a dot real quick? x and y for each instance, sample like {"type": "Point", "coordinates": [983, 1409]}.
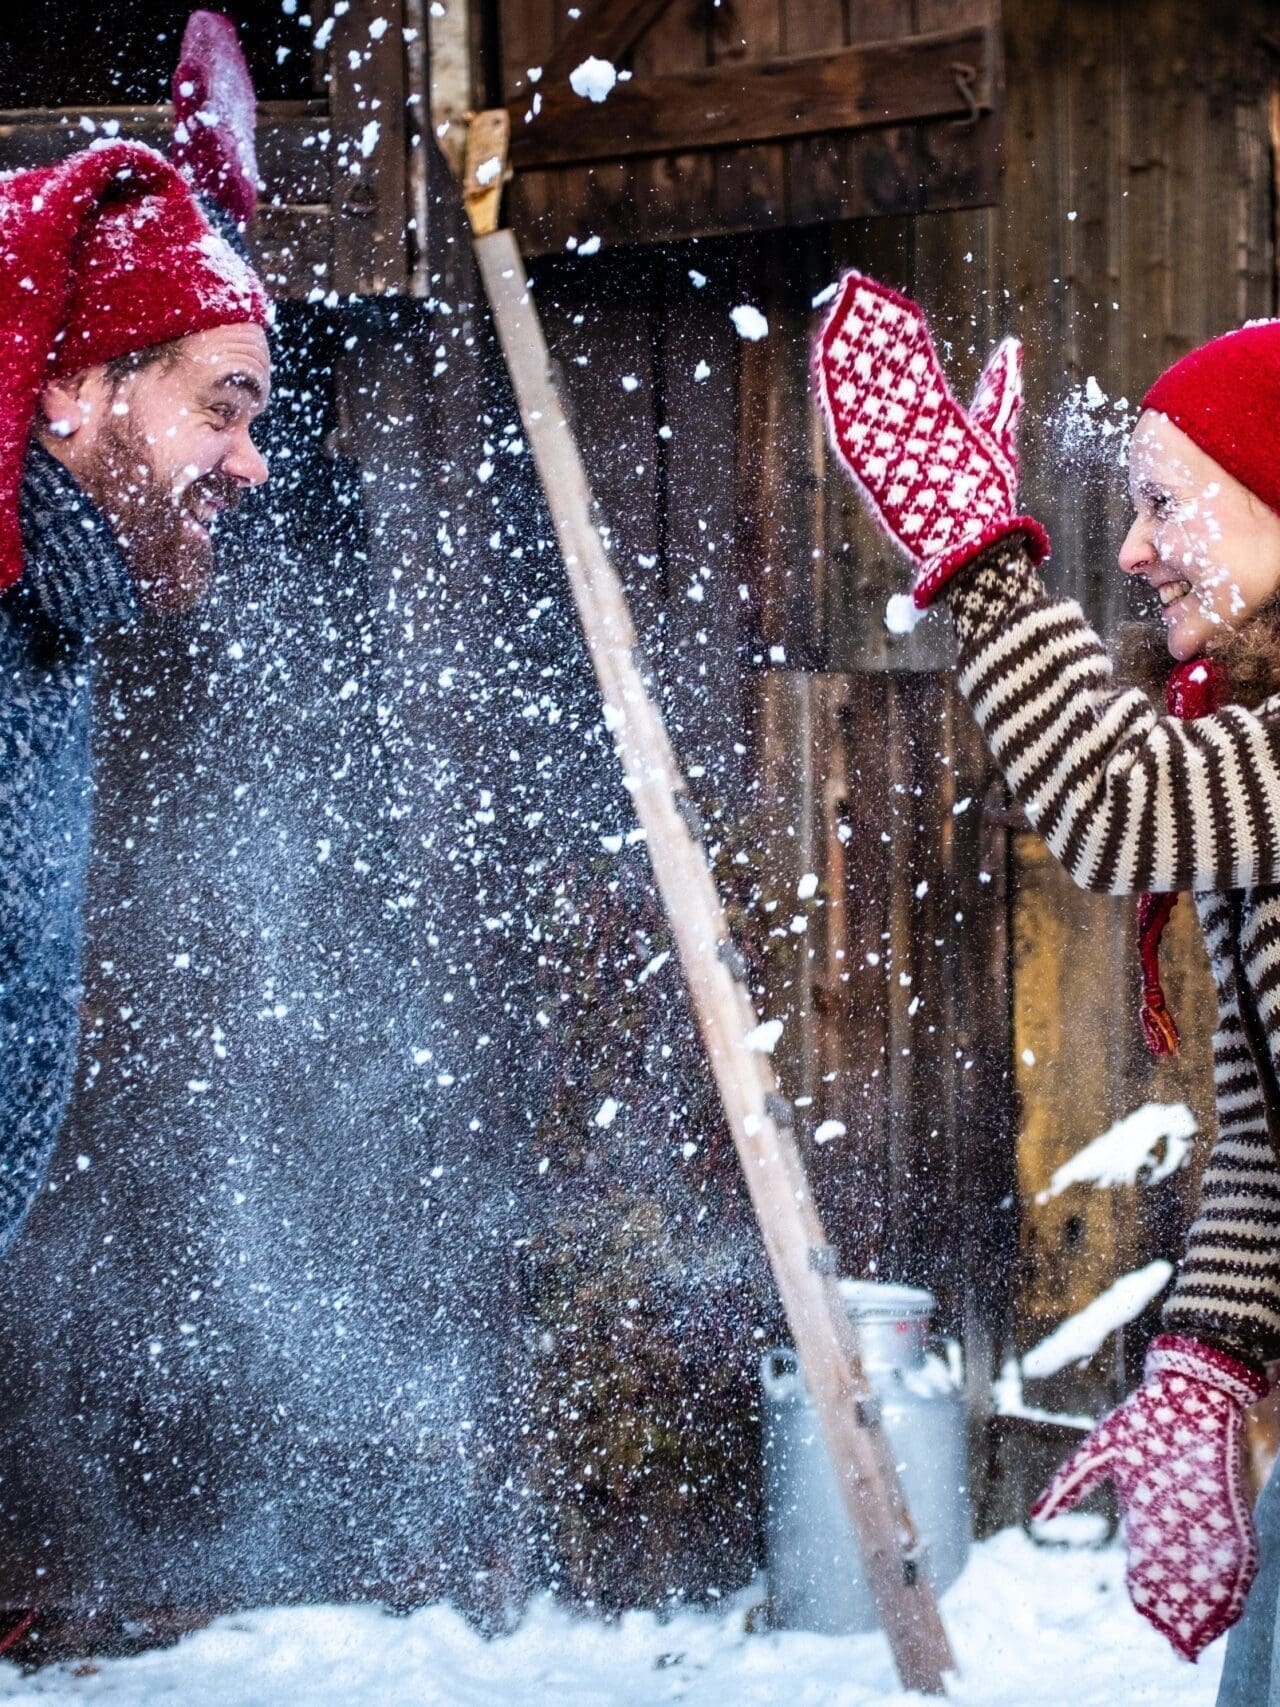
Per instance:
{"type": "Point", "coordinates": [759, 1117]}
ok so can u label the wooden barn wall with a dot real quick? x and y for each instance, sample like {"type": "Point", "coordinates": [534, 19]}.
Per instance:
{"type": "Point", "coordinates": [949, 1000]}
{"type": "Point", "coordinates": [951, 987]}
{"type": "Point", "coordinates": [797, 181]}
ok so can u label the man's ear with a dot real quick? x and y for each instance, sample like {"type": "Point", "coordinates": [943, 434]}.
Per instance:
{"type": "Point", "coordinates": [63, 409]}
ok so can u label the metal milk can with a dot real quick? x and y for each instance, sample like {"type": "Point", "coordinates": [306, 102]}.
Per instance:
{"type": "Point", "coordinates": [815, 1573]}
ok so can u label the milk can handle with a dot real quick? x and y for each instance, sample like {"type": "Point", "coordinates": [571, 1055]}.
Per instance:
{"type": "Point", "coordinates": [949, 1351]}
{"type": "Point", "coordinates": [779, 1374]}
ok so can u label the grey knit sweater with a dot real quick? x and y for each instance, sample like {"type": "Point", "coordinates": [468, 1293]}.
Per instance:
{"type": "Point", "coordinates": [74, 586]}
{"type": "Point", "coordinates": [1130, 800]}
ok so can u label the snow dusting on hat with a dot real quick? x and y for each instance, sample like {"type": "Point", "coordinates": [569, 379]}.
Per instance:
{"type": "Point", "coordinates": [103, 254]}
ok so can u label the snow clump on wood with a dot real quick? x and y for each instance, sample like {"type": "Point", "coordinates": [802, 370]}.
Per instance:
{"type": "Point", "coordinates": [593, 79]}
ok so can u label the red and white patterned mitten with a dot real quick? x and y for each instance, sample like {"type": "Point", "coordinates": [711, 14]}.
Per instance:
{"type": "Point", "coordinates": [1173, 1452]}
{"type": "Point", "coordinates": [214, 114]}
{"type": "Point", "coordinates": [941, 481]}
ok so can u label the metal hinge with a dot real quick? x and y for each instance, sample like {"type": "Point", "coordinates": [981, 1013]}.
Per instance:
{"type": "Point", "coordinates": [781, 1111]}
{"type": "Point", "coordinates": [729, 954]}
{"type": "Point", "coordinates": [687, 807]}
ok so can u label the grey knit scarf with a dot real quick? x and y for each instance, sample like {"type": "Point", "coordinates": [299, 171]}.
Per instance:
{"type": "Point", "coordinates": [74, 578]}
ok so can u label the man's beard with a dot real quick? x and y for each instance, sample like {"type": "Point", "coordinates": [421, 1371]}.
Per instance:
{"type": "Point", "coordinates": [167, 550]}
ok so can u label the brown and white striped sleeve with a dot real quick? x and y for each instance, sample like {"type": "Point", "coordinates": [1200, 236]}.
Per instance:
{"type": "Point", "coordinates": [1129, 800]}
{"type": "Point", "coordinates": [1228, 1286]}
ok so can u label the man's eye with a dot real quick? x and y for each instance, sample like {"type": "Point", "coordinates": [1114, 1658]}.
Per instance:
{"type": "Point", "coordinates": [224, 412]}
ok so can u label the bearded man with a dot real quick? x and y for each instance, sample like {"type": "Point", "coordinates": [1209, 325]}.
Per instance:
{"type": "Point", "coordinates": [133, 362]}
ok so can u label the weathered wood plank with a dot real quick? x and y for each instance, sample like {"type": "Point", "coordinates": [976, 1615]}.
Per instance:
{"type": "Point", "coordinates": [675, 193]}
{"type": "Point", "coordinates": [825, 1338]}
{"type": "Point", "coordinates": [750, 181]}
{"type": "Point", "coordinates": [817, 166]}
{"type": "Point", "coordinates": [369, 150]}
{"type": "Point", "coordinates": [774, 540]}
{"type": "Point", "coordinates": [878, 84]}
{"type": "Point", "coordinates": [293, 249]}
{"type": "Point", "coordinates": [609, 30]}
{"type": "Point", "coordinates": [697, 353]}
{"type": "Point", "coordinates": [451, 74]}
{"type": "Point", "coordinates": [291, 152]}
{"type": "Point", "coordinates": [533, 201]}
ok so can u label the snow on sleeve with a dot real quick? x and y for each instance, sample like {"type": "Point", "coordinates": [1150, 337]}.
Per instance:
{"type": "Point", "coordinates": [593, 79]}
{"type": "Point", "coordinates": [1129, 1148]}
{"type": "Point", "coordinates": [1076, 1339]}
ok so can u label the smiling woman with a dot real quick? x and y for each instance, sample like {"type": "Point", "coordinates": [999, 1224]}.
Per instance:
{"type": "Point", "coordinates": [1133, 801]}
{"type": "Point", "coordinates": [1206, 543]}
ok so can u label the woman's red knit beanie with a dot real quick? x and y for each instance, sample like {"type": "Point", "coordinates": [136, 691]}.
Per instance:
{"type": "Point", "coordinates": [1225, 397]}
{"type": "Point", "coordinates": [105, 253]}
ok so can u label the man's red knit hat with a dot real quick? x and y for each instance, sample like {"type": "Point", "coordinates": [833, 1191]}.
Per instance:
{"type": "Point", "coordinates": [1225, 397]}
{"type": "Point", "coordinates": [103, 254]}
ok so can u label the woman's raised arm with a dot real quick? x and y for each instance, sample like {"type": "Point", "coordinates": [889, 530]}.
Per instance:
{"type": "Point", "coordinates": [1128, 799]}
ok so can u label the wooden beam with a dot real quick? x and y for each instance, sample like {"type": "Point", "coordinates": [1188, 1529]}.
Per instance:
{"type": "Point", "coordinates": [368, 149]}
{"type": "Point", "coordinates": [609, 31]}
{"type": "Point", "coordinates": [452, 77]}
{"type": "Point", "coordinates": [292, 235]}
{"type": "Point", "coordinates": [882, 83]}
{"type": "Point", "coordinates": [290, 140]}
{"type": "Point", "coordinates": [759, 1119]}
{"type": "Point", "coordinates": [485, 168]}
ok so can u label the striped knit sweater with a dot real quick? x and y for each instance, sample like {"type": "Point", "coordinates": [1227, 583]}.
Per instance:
{"type": "Point", "coordinates": [74, 585]}
{"type": "Point", "coordinates": [1130, 800]}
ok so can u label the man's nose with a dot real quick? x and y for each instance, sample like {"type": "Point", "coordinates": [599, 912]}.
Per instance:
{"type": "Point", "coordinates": [1138, 551]}
{"type": "Point", "coordinates": [245, 462]}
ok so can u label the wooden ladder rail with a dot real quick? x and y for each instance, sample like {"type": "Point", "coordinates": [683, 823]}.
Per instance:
{"type": "Point", "coordinates": [758, 1116]}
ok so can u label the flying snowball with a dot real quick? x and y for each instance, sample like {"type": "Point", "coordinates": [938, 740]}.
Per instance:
{"type": "Point", "coordinates": [749, 323]}
{"type": "Point", "coordinates": [593, 79]}
{"type": "Point", "coordinates": [764, 1038]}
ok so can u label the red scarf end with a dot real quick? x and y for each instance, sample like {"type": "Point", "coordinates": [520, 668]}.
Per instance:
{"type": "Point", "coordinates": [1158, 1029]}
{"type": "Point", "coordinates": [1195, 689]}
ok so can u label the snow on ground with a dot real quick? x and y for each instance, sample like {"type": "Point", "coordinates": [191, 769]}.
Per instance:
{"type": "Point", "coordinates": [1032, 1627]}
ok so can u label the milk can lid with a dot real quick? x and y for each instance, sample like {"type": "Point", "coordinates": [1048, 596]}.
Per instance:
{"type": "Point", "coordinates": [879, 1300]}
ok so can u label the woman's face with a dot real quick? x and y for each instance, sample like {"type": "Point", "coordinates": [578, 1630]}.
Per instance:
{"type": "Point", "coordinates": [1208, 546]}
